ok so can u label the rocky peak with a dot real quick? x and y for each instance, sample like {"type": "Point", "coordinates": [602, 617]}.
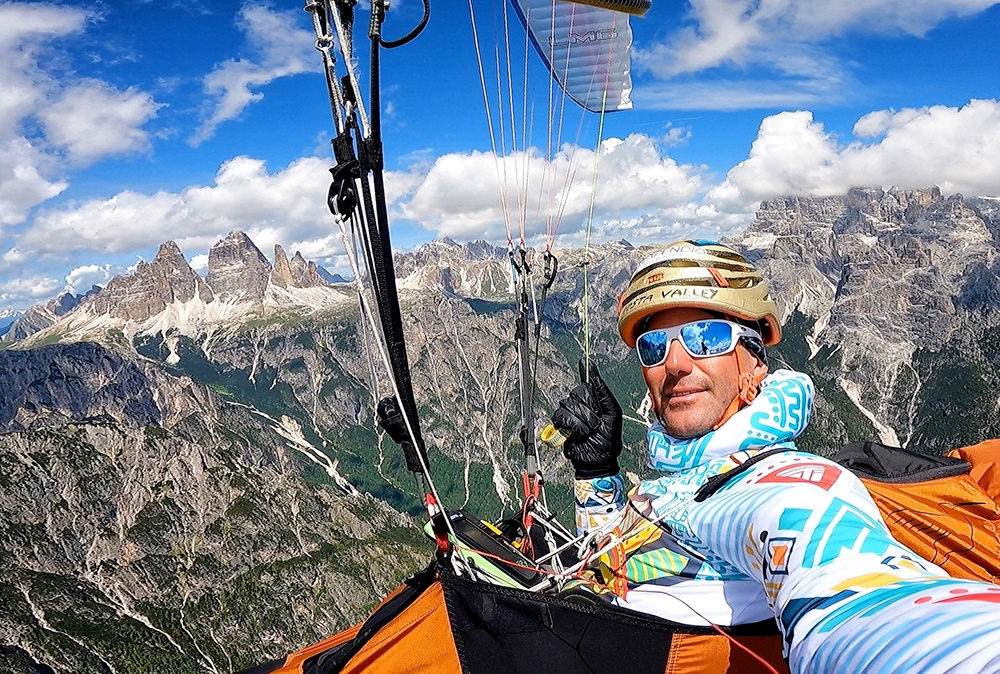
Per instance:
{"type": "Point", "coordinates": [482, 250]}
{"type": "Point", "coordinates": [237, 270]}
{"type": "Point", "coordinates": [477, 269]}
{"type": "Point", "coordinates": [7, 318]}
{"type": "Point", "coordinates": [281, 273]}
{"type": "Point", "coordinates": [237, 273]}
{"type": "Point", "coordinates": [151, 287]}
{"type": "Point", "coordinates": [296, 273]}
{"type": "Point", "coordinates": [445, 250]}
{"type": "Point", "coordinates": [892, 267]}
{"type": "Point", "coordinates": [871, 207]}
{"type": "Point", "coordinates": [306, 274]}
{"type": "Point", "coordinates": [331, 279]}
{"type": "Point", "coordinates": [41, 316]}
{"type": "Point", "coordinates": [63, 303]}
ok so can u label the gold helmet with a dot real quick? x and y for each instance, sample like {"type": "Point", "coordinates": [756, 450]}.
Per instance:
{"type": "Point", "coordinates": [702, 274]}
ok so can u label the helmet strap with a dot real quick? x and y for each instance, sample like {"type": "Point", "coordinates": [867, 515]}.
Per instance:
{"type": "Point", "coordinates": [749, 386]}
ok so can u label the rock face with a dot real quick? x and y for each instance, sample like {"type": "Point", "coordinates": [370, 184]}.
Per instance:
{"type": "Point", "coordinates": [180, 533]}
{"type": "Point", "coordinates": [54, 385]}
{"type": "Point", "coordinates": [889, 281]}
{"type": "Point", "coordinates": [43, 315]}
{"type": "Point", "coordinates": [296, 273]}
{"type": "Point", "coordinates": [168, 278]}
{"type": "Point", "coordinates": [237, 270]}
{"type": "Point", "coordinates": [330, 278]}
{"type": "Point", "coordinates": [478, 269]}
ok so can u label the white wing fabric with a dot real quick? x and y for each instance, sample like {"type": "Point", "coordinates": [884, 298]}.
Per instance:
{"type": "Point", "coordinates": [586, 48]}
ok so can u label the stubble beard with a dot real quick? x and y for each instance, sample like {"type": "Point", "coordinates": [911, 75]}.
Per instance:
{"type": "Point", "coordinates": [693, 420]}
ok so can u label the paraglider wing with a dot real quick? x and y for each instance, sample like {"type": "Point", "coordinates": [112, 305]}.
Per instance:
{"type": "Point", "coordinates": [586, 48]}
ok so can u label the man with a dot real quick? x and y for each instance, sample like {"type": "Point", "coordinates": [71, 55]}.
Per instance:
{"type": "Point", "coordinates": [742, 526]}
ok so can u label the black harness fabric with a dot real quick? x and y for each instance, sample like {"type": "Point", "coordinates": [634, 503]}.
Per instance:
{"type": "Point", "coordinates": [266, 668]}
{"type": "Point", "coordinates": [868, 460]}
{"type": "Point", "coordinates": [499, 629]}
{"type": "Point", "coordinates": [882, 463]}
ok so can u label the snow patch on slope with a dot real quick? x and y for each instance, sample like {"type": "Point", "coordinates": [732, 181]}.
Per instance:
{"type": "Point", "coordinates": [195, 316]}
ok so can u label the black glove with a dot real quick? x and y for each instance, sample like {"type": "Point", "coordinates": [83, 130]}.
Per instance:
{"type": "Point", "coordinates": [591, 420]}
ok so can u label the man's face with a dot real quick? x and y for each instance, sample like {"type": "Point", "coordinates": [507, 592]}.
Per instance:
{"type": "Point", "coordinates": [691, 394]}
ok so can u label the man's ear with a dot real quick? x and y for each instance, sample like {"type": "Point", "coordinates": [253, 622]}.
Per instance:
{"type": "Point", "coordinates": [753, 372]}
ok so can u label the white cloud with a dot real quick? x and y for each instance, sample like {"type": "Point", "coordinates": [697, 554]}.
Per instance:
{"type": "Point", "coordinates": [23, 178]}
{"type": "Point", "coordinates": [271, 207]}
{"type": "Point", "coordinates": [643, 193]}
{"type": "Point", "coordinates": [93, 120]}
{"type": "Point", "coordinates": [633, 177]}
{"type": "Point", "coordinates": [24, 292]}
{"type": "Point", "coordinates": [199, 262]}
{"type": "Point", "coordinates": [40, 113]}
{"type": "Point", "coordinates": [283, 48]}
{"type": "Point", "coordinates": [731, 31]}
{"type": "Point", "coordinates": [957, 149]}
{"type": "Point", "coordinates": [321, 248]}
{"type": "Point", "coordinates": [789, 39]}
{"type": "Point", "coordinates": [637, 181]}
{"type": "Point", "coordinates": [25, 30]}
{"type": "Point", "coordinates": [82, 279]}
{"type": "Point", "coordinates": [14, 257]}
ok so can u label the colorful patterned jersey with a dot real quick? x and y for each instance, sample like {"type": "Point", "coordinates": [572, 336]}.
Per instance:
{"type": "Point", "coordinates": [790, 535]}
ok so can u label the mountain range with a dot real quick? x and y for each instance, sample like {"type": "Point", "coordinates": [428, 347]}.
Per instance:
{"type": "Point", "coordinates": [192, 479]}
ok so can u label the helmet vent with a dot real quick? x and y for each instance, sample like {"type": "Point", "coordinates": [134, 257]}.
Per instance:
{"type": "Point", "coordinates": [730, 255]}
{"type": "Point", "coordinates": [719, 278]}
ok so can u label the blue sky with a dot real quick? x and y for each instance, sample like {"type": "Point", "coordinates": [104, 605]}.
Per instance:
{"type": "Point", "coordinates": [123, 124]}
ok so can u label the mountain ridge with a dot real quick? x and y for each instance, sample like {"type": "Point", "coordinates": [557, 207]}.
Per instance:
{"type": "Point", "coordinates": [166, 294]}
{"type": "Point", "coordinates": [244, 429]}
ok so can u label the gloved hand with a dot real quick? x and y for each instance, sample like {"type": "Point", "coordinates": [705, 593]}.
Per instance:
{"type": "Point", "coordinates": [591, 420]}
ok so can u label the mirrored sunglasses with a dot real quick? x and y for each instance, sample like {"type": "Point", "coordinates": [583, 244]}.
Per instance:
{"type": "Point", "coordinates": [701, 339]}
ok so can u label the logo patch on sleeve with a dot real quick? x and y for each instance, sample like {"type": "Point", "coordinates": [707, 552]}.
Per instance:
{"type": "Point", "coordinates": [820, 474]}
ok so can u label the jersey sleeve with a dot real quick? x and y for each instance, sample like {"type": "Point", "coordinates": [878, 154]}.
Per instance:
{"type": "Point", "coordinates": [598, 500]}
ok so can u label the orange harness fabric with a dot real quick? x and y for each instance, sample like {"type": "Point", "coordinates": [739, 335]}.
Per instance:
{"type": "Point", "coordinates": [417, 640]}
{"type": "Point", "coordinates": [714, 654]}
{"type": "Point", "coordinates": [952, 521]}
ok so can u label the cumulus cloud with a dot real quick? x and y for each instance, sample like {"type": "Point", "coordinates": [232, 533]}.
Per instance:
{"type": "Point", "coordinates": [24, 292]}
{"type": "Point", "coordinates": [93, 120]}
{"type": "Point", "coordinates": [637, 183]}
{"type": "Point", "coordinates": [45, 119]}
{"type": "Point", "coordinates": [199, 262]}
{"type": "Point", "coordinates": [633, 176]}
{"type": "Point", "coordinates": [284, 49]}
{"type": "Point", "coordinates": [271, 207]}
{"type": "Point", "coordinates": [787, 38]}
{"type": "Point", "coordinates": [82, 279]}
{"type": "Point", "coordinates": [24, 31]}
{"type": "Point", "coordinates": [957, 149]}
{"type": "Point", "coordinates": [24, 178]}
{"type": "Point", "coordinates": [731, 30]}
{"type": "Point", "coordinates": [643, 194]}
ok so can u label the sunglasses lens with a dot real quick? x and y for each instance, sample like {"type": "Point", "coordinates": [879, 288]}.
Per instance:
{"type": "Point", "coordinates": [652, 348]}
{"type": "Point", "coordinates": [708, 338]}
{"type": "Point", "coordinates": [701, 339]}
